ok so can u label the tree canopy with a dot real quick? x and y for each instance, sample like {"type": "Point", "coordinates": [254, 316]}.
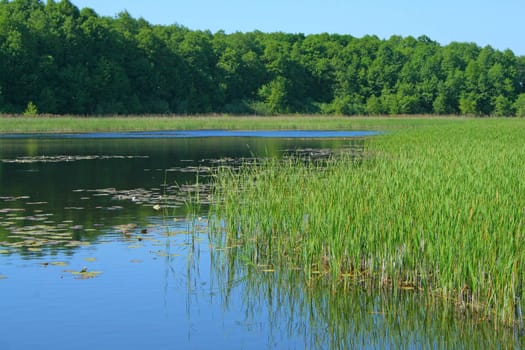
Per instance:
{"type": "Point", "coordinates": [66, 60]}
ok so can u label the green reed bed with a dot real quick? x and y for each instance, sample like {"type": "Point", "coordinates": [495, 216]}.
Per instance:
{"type": "Point", "coordinates": [438, 208]}
{"type": "Point", "coordinates": [61, 124]}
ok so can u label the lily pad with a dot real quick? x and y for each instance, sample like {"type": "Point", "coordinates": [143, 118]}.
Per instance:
{"type": "Point", "coordinates": [135, 246]}
{"type": "Point", "coordinates": [59, 263]}
{"type": "Point", "coordinates": [84, 274]}
{"type": "Point", "coordinates": [87, 275]}
{"type": "Point", "coordinates": [3, 277]}
{"type": "Point", "coordinates": [4, 251]}
{"type": "Point", "coordinates": [163, 254]}
{"type": "Point", "coordinates": [34, 250]}
{"type": "Point", "coordinates": [126, 227]}
{"type": "Point", "coordinates": [65, 158]}
{"type": "Point", "coordinates": [115, 207]}
{"type": "Point", "coordinates": [76, 244]}
{"type": "Point", "coordinates": [32, 243]}
{"type": "Point", "coordinates": [90, 259]}
{"type": "Point", "coordinates": [60, 237]}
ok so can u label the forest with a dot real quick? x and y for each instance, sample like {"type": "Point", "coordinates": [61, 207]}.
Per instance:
{"type": "Point", "coordinates": [58, 59]}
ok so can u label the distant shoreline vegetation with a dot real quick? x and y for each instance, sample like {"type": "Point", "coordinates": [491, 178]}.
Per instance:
{"type": "Point", "coordinates": [75, 124]}
{"type": "Point", "coordinates": [58, 59]}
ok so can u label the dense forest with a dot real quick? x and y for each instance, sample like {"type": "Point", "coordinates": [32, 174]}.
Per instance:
{"type": "Point", "coordinates": [59, 59]}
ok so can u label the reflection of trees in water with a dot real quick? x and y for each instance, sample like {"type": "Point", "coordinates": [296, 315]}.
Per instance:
{"type": "Point", "coordinates": [348, 316]}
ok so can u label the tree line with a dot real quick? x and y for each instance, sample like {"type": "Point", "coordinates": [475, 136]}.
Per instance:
{"type": "Point", "coordinates": [59, 59]}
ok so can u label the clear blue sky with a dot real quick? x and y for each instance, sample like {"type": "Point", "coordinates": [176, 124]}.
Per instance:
{"type": "Point", "coordinates": [499, 23]}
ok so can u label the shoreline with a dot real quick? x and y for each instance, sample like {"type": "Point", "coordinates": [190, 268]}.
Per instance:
{"type": "Point", "coordinates": [20, 124]}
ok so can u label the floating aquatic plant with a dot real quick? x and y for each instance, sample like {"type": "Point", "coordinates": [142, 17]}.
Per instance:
{"type": "Point", "coordinates": [83, 273]}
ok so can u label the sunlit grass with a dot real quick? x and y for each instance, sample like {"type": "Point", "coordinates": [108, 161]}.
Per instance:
{"type": "Point", "coordinates": [48, 124]}
{"type": "Point", "coordinates": [438, 208]}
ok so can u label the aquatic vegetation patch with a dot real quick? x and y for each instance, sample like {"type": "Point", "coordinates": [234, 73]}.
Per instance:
{"type": "Point", "coordinates": [64, 158]}
{"type": "Point", "coordinates": [170, 196]}
{"type": "Point", "coordinates": [54, 263]}
{"type": "Point", "coordinates": [84, 274]}
{"type": "Point", "coordinates": [437, 209]}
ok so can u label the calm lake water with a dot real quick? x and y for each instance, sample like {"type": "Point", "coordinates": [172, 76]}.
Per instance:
{"type": "Point", "coordinates": [113, 207]}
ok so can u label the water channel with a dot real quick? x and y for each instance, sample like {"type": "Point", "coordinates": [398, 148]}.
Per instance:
{"type": "Point", "coordinates": [97, 251]}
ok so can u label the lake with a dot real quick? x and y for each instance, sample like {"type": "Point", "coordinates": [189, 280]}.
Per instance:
{"type": "Point", "coordinates": [97, 251]}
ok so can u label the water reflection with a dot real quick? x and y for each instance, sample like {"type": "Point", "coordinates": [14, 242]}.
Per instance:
{"type": "Point", "coordinates": [350, 316]}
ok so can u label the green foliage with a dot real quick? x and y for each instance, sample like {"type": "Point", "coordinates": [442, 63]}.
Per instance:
{"type": "Point", "coordinates": [440, 104]}
{"type": "Point", "coordinates": [503, 107]}
{"type": "Point", "coordinates": [468, 104]}
{"type": "Point", "coordinates": [31, 110]}
{"type": "Point", "coordinates": [71, 61]}
{"type": "Point", "coordinates": [519, 106]}
{"type": "Point", "coordinates": [274, 95]}
{"type": "Point", "coordinates": [374, 106]}
{"type": "Point", "coordinates": [345, 105]}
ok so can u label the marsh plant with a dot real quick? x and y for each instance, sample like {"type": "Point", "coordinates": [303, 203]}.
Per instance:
{"type": "Point", "coordinates": [437, 208]}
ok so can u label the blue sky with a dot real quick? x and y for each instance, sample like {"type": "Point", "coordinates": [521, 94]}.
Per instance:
{"type": "Point", "coordinates": [486, 22]}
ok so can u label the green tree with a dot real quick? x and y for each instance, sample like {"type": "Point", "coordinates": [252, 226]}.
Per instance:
{"type": "Point", "coordinates": [275, 95]}
{"type": "Point", "coordinates": [31, 109]}
{"type": "Point", "coordinates": [239, 70]}
{"type": "Point", "coordinates": [519, 105]}
{"type": "Point", "coordinates": [384, 70]}
{"type": "Point", "coordinates": [70, 60]}
{"type": "Point", "coordinates": [440, 104]}
{"type": "Point", "coordinates": [503, 107]}
{"type": "Point", "coordinates": [374, 106]}
{"type": "Point", "coordinates": [1, 101]}
{"type": "Point", "coordinates": [468, 104]}
{"type": "Point", "coordinates": [197, 51]}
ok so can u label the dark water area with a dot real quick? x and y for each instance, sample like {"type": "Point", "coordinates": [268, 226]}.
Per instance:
{"type": "Point", "coordinates": [97, 252]}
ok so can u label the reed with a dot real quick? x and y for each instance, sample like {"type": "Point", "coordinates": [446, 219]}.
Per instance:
{"type": "Point", "coordinates": [65, 124]}
{"type": "Point", "coordinates": [438, 208]}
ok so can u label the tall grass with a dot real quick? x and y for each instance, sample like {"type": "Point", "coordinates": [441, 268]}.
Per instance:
{"type": "Point", "coordinates": [21, 124]}
{"type": "Point", "coordinates": [437, 208]}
